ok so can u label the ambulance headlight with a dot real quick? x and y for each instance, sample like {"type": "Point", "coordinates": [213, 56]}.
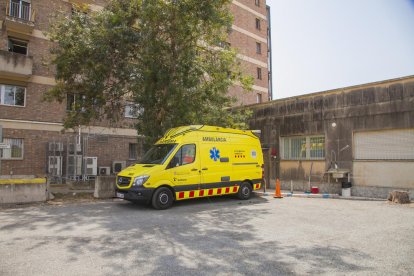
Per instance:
{"type": "Point", "coordinates": [140, 180]}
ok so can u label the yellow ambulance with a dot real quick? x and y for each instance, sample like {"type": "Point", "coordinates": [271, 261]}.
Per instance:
{"type": "Point", "coordinates": [193, 162]}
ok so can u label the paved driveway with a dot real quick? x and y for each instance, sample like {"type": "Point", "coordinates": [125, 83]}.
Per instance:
{"type": "Point", "coordinates": [263, 236]}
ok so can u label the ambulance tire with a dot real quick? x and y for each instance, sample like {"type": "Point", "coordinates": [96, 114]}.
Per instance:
{"type": "Point", "coordinates": [245, 191]}
{"type": "Point", "coordinates": [162, 199]}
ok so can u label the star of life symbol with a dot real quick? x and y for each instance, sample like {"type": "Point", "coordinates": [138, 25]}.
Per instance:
{"type": "Point", "coordinates": [214, 154]}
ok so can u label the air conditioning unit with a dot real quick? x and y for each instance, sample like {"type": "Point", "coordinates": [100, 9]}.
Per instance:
{"type": "Point", "coordinates": [74, 165]}
{"type": "Point", "coordinates": [104, 170]}
{"type": "Point", "coordinates": [55, 146]}
{"type": "Point", "coordinates": [118, 166]}
{"type": "Point", "coordinates": [55, 165]}
{"type": "Point", "coordinates": [91, 165]}
{"type": "Point", "coordinates": [73, 147]}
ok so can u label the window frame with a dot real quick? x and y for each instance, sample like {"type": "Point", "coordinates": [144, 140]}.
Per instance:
{"type": "Point", "coordinates": [257, 3]}
{"type": "Point", "coordinates": [131, 150]}
{"type": "Point", "coordinates": [288, 155]}
{"type": "Point", "coordinates": [3, 91]}
{"type": "Point", "coordinates": [258, 24]}
{"type": "Point", "coordinates": [259, 73]}
{"type": "Point", "coordinates": [132, 105]}
{"type": "Point", "coordinates": [76, 98]}
{"type": "Point", "coordinates": [20, 9]}
{"type": "Point", "coordinates": [259, 98]}
{"type": "Point", "coordinates": [10, 149]}
{"type": "Point", "coordinates": [10, 41]}
{"type": "Point", "coordinates": [258, 48]}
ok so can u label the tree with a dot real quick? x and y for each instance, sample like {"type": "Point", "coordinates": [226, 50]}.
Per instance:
{"type": "Point", "coordinates": [162, 55]}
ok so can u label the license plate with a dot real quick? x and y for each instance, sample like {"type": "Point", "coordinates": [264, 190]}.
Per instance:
{"type": "Point", "coordinates": [120, 195]}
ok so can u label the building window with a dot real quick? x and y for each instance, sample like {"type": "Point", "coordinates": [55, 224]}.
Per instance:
{"type": "Point", "coordinates": [257, 23]}
{"type": "Point", "coordinates": [12, 95]}
{"type": "Point", "coordinates": [259, 73]}
{"type": "Point", "coordinates": [15, 151]}
{"type": "Point", "coordinates": [20, 9]}
{"type": "Point", "coordinates": [74, 102]}
{"type": "Point", "coordinates": [132, 110]}
{"type": "Point", "coordinates": [258, 48]}
{"type": "Point", "coordinates": [258, 98]}
{"type": "Point", "coordinates": [317, 147]}
{"type": "Point", "coordinates": [133, 151]}
{"type": "Point", "coordinates": [17, 46]}
{"type": "Point", "coordinates": [303, 148]}
{"type": "Point", "coordinates": [257, 3]}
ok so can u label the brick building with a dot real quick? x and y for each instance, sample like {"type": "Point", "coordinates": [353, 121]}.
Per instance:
{"type": "Point", "coordinates": [32, 128]}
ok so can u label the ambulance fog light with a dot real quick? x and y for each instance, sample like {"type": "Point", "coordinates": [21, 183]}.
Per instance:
{"type": "Point", "coordinates": [140, 180]}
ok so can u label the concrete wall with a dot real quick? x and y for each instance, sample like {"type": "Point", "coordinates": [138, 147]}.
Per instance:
{"type": "Point", "coordinates": [22, 190]}
{"type": "Point", "coordinates": [294, 175]}
{"type": "Point", "coordinates": [105, 187]}
{"type": "Point", "coordinates": [337, 114]}
{"type": "Point", "coordinates": [394, 175]}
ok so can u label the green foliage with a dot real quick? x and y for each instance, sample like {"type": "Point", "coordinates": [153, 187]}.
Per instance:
{"type": "Point", "coordinates": [161, 55]}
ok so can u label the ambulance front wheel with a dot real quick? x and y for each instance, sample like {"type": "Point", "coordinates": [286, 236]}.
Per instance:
{"type": "Point", "coordinates": [162, 198]}
{"type": "Point", "coordinates": [245, 191]}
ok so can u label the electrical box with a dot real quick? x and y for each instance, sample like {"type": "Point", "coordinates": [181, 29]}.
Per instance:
{"type": "Point", "coordinates": [118, 166]}
{"type": "Point", "coordinates": [91, 165]}
{"type": "Point", "coordinates": [104, 170]}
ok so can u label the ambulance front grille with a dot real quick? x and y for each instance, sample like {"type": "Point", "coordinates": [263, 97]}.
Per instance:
{"type": "Point", "coordinates": [123, 181]}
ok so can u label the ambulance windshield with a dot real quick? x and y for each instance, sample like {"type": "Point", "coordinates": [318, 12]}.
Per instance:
{"type": "Point", "coordinates": [157, 154]}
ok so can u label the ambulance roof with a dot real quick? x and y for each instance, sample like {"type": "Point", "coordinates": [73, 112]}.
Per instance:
{"type": "Point", "coordinates": [175, 134]}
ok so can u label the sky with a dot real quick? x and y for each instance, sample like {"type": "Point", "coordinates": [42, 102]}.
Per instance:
{"type": "Point", "coordinates": [319, 45]}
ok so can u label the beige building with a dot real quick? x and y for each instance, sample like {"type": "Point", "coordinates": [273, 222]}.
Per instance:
{"type": "Point", "coordinates": [31, 128]}
{"type": "Point", "coordinates": [356, 140]}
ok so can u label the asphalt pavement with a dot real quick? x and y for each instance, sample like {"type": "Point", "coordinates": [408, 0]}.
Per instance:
{"type": "Point", "coordinates": [218, 236]}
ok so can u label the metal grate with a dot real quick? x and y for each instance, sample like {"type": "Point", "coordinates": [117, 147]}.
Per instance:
{"type": "Point", "coordinates": [385, 145]}
{"type": "Point", "coordinates": [123, 181]}
{"type": "Point", "coordinates": [317, 147]}
{"type": "Point", "coordinates": [303, 148]}
{"type": "Point", "coordinates": [16, 149]}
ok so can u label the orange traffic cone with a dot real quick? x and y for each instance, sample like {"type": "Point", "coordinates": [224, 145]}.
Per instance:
{"type": "Point", "coordinates": [278, 194]}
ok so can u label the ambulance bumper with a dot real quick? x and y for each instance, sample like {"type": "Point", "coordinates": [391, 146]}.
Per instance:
{"type": "Point", "coordinates": [135, 194]}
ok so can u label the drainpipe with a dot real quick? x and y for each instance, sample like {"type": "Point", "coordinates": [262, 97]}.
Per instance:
{"type": "Point", "coordinates": [269, 54]}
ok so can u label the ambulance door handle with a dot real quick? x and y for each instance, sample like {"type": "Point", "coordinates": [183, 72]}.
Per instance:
{"type": "Point", "coordinates": [204, 169]}
{"type": "Point", "coordinates": [193, 170]}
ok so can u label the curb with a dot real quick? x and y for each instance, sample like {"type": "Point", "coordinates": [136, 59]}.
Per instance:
{"type": "Point", "coordinates": [309, 195]}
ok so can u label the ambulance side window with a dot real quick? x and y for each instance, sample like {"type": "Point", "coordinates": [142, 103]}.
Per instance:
{"type": "Point", "coordinates": [185, 155]}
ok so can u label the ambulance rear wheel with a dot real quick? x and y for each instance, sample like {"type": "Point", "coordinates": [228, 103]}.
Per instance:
{"type": "Point", "coordinates": [245, 191]}
{"type": "Point", "coordinates": [162, 198]}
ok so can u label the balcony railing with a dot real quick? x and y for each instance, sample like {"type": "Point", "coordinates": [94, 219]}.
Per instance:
{"type": "Point", "coordinates": [15, 66]}
{"type": "Point", "coordinates": [20, 10]}
{"type": "Point", "coordinates": [19, 16]}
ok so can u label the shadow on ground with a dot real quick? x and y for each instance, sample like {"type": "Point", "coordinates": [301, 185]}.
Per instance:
{"type": "Point", "coordinates": [205, 236]}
